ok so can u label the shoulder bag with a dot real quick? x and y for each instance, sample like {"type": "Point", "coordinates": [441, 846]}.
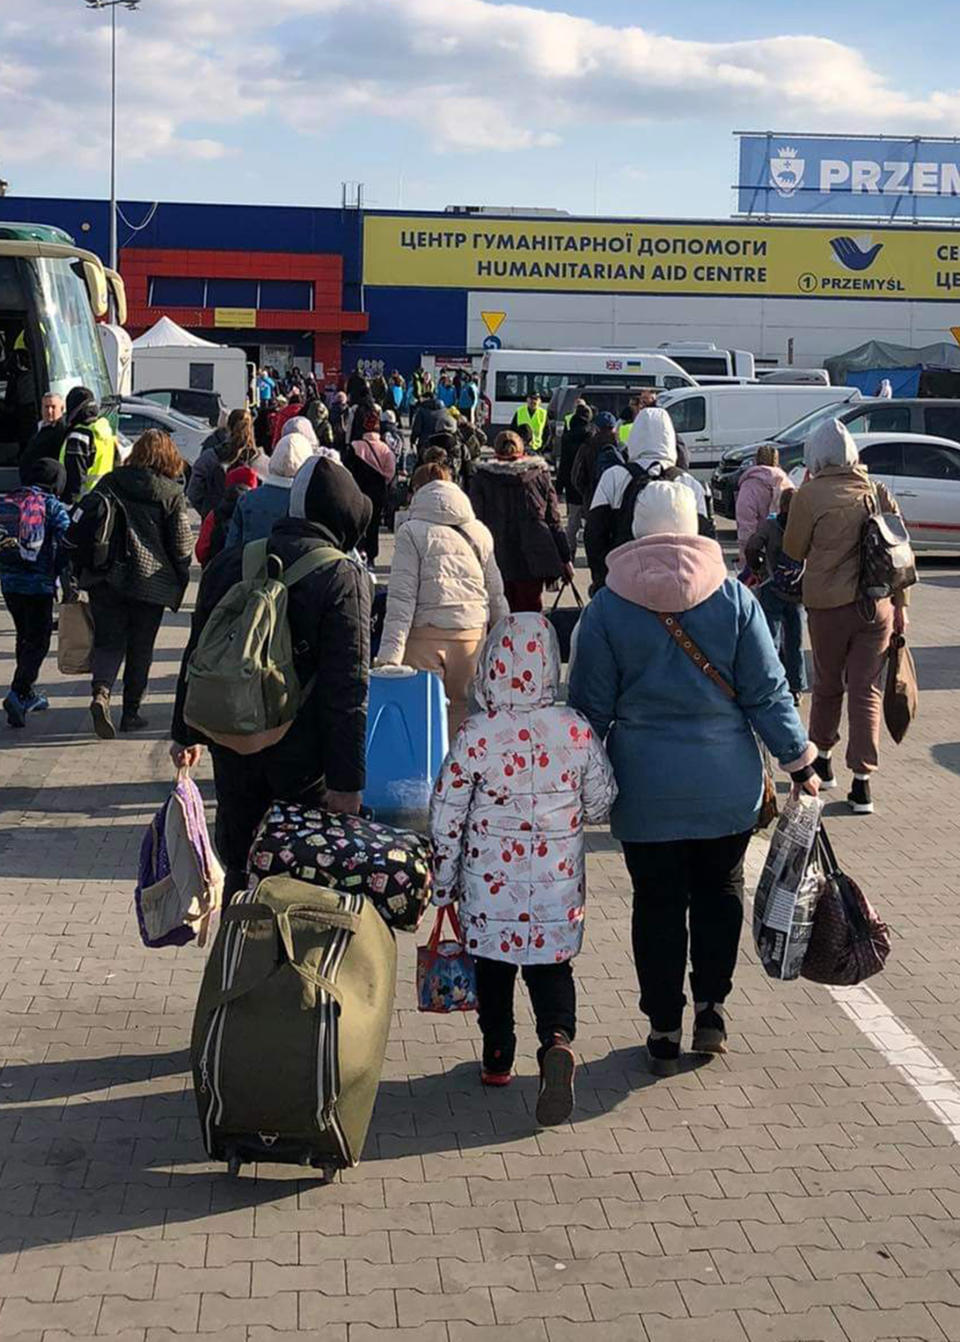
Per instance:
{"type": "Point", "coordinates": [769, 809]}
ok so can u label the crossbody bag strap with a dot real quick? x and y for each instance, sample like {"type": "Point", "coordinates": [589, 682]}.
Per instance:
{"type": "Point", "coordinates": [465, 535]}
{"type": "Point", "coordinates": [683, 640]}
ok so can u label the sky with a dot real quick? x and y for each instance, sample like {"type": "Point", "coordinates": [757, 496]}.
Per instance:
{"type": "Point", "coordinates": [617, 107]}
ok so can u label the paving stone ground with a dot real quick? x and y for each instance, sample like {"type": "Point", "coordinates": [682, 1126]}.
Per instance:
{"type": "Point", "coordinates": [796, 1190]}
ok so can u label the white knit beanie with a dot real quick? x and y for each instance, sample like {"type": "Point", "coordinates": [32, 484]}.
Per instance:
{"type": "Point", "coordinates": [288, 456]}
{"type": "Point", "coordinates": [665, 507]}
{"type": "Point", "coordinates": [300, 424]}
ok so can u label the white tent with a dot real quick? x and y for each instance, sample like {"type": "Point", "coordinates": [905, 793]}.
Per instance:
{"type": "Point", "coordinates": [166, 333]}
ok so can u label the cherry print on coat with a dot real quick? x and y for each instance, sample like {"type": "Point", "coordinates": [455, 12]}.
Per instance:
{"type": "Point", "coordinates": [507, 822]}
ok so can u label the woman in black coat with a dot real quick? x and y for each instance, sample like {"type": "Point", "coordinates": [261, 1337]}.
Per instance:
{"type": "Point", "coordinates": [321, 759]}
{"type": "Point", "coordinates": [148, 571]}
{"type": "Point", "coordinates": [514, 496]}
{"type": "Point", "coordinates": [373, 466]}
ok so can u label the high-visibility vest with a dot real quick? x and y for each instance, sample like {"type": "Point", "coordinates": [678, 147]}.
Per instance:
{"type": "Point", "coordinates": [537, 422]}
{"type": "Point", "coordinates": [623, 433]}
{"type": "Point", "coordinates": [104, 453]}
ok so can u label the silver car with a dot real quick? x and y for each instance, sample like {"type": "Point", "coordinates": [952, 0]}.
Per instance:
{"type": "Point", "coordinates": [188, 433]}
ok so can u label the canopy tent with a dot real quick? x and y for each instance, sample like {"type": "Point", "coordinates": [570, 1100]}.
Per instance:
{"type": "Point", "coordinates": [165, 333]}
{"type": "Point", "coordinates": [903, 381]}
{"type": "Point", "coordinates": [879, 356]}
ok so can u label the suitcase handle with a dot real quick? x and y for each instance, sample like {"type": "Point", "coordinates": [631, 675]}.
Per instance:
{"type": "Point", "coordinates": [250, 912]}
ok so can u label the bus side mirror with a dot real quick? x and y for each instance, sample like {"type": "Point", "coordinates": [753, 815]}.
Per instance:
{"type": "Point", "coordinates": [96, 283]}
{"type": "Point", "coordinates": [119, 291]}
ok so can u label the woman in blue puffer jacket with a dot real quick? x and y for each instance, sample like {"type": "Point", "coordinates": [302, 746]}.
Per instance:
{"type": "Point", "coordinates": [687, 764]}
{"type": "Point", "coordinates": [255, 514]}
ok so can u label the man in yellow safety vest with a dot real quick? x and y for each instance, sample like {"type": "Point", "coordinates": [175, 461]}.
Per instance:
{"type": "Point", "coordinates": [533, 415]}
{"type": "Point", "coordinates": [90, 449]}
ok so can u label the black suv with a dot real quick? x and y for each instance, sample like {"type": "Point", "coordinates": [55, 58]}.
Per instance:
{"type": "Point", "coordinates": [598, 396]}
{"type": "Point", "coordinates": [870, 414]}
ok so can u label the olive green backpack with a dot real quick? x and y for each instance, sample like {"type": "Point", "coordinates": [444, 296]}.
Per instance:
{"type": "Point", "coordinates": [242, 687]}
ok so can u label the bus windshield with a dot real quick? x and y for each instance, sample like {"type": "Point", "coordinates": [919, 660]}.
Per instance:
{"type": "Point", "coordinates": [67, 329]}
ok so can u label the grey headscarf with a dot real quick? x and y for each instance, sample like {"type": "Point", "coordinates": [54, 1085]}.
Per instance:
{"type": "Point", "coordinates": [831, 444]}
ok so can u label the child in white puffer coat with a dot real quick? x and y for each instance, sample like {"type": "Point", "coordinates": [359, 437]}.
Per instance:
{"type": "Point", "coordinates": [507, 822]}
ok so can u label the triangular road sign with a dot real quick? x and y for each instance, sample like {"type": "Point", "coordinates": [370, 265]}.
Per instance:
{"type": "Point", "coordinates": [493, 321]}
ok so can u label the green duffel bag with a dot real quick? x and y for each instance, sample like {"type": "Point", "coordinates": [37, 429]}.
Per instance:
{"type": "Point", "coordinates": [291, 1026]}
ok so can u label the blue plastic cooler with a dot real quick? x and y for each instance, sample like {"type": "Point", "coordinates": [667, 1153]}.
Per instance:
{"type": "Point", "coordinates": [406, 743]}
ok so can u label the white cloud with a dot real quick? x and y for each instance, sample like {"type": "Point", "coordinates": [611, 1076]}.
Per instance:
{"type": "Point", "coordinates": [470, 74]}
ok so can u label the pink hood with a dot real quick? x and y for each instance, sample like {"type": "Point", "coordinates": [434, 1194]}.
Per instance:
{"type": "Point", "coordinates": [373, 450]}
{"type": "Point", "coordinates": [667, 573]}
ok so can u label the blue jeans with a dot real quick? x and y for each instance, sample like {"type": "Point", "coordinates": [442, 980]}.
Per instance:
{"type": "Point", "coordinates": [785, 619]}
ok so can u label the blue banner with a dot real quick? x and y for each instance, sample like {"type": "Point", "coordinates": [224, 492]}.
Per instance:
{"type": "Point", "coordinates": [884, 177]}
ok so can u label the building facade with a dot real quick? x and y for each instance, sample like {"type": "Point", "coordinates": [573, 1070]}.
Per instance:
{"type": "Point", "coordinates": [333, 289]}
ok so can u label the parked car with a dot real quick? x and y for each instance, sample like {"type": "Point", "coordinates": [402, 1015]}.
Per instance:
{"type": "Point", "coordinates": [923, 473]}
{"type": "Point", "coordinates": [205, 405]}
{"type": "Point", "coordinates": [188, 434]}
{"type": "Point", "coordinates": [908, 414]}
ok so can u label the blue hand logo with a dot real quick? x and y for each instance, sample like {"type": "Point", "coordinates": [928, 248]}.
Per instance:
{"type": "Point", "coordinates": [852, 255]}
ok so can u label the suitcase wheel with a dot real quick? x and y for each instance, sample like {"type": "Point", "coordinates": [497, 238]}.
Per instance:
{"type": "Point", "coordinates": [328, 1171]}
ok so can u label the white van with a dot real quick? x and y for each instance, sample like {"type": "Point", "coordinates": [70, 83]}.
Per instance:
{"type": "Point", "coordinates": [509, 376]}
{"type": "Point", "coordinates": [711, 419]}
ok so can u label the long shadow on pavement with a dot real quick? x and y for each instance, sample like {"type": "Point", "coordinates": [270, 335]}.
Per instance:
{"type": "Point", "coordinates": [106, 1163]}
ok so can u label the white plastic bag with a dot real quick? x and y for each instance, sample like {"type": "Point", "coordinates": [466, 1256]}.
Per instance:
{"type": "Point", "coordinates": [788, 890]}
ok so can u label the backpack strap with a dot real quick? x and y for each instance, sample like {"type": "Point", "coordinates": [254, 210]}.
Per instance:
{"type": "Point", "coordinates": [321, 557]}
{"type": "Point", "coordinates": [254, 559]}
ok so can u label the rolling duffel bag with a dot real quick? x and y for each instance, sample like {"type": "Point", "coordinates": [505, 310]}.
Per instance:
{"type": "Point", "coordinates": [392, 867]}
{"type": "Point", "coordinates": [291, 1027]}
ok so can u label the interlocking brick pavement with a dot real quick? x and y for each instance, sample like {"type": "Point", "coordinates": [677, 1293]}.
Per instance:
{"type": "Point", "coordinates": [796, 1190]}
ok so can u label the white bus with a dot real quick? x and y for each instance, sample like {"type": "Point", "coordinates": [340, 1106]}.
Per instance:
{"type": "Point", "coordinates": [704, 359]}
{"type": "Point", "coordinates": [509, 376]}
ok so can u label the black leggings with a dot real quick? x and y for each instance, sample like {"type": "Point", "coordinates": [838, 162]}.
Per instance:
{"type": "Point", "coordinates": [552, 995]}
{"type": "Point", "coordinates": [699, 877]}
{"type": "Point", "coordinates": [33, 620]}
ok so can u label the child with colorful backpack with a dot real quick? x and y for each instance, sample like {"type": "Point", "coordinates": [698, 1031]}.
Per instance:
{"type": "Point", "coordinates": [507, 818]}
{"type": "Point", "coordinates": [780, 591]}
{"type": "Point", "coordinates": [33, 523]}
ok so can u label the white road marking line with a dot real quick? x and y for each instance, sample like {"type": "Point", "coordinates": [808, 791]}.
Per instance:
{"type": "Point", "coordinates": [922, 1070]}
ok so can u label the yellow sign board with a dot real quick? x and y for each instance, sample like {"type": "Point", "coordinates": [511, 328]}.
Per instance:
{"type": "Point", "coordinates": [238, 317]}
{"type": "Point", "coordinates": [493, 321]}
{"type": "Point", "coordinates": [635, 257]}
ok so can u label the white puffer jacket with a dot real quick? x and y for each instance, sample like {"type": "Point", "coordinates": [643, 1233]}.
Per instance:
{"type": "Point", "coordinates": [438, 577]}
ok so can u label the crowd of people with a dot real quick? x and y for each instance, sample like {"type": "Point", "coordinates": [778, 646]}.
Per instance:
{"type": "Point", "coordinates": [680, 669]}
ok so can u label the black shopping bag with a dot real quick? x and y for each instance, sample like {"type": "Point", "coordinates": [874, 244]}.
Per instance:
{"type": "Point", "coordinates": [565, 620]}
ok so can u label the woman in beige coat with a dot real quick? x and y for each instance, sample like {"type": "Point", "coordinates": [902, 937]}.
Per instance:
{"type": "Point", "coordinates": [849, 634]}
{"type": "Point", "coordinates": [445, 588]}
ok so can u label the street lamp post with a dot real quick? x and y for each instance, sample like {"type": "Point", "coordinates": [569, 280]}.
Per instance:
{"type": "Point", "coordinates": [112, 6]}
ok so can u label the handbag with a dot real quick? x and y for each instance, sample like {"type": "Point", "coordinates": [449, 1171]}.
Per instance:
{"type": "Point", "coordinates": [565, 621]}
{"type": "Point", "coordinates": [769, 808]}
{"type": "Point", "coordinates": [74, 637]}
{"type": "Point", "coordinates": [901, 695]}
{"type": "Point", "coordinates": [848, 942]}
{"type": "Point", "coordinates": [446, 973]}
